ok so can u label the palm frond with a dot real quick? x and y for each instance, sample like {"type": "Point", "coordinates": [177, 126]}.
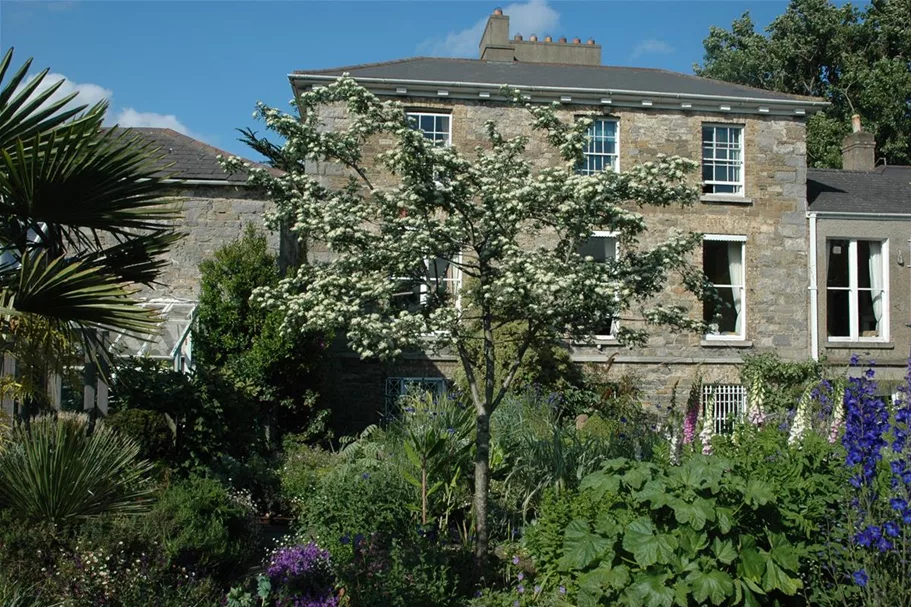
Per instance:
{"type": "Point", "coordinates": [76, 292]}
{"type": "Point", "coordinates": [79, 178]}
{"type": "Point", "coordinates": [22, 115]}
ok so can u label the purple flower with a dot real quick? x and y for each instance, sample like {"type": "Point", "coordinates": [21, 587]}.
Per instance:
{"type": "Point", "coordinates": [860, 578]}
{"type": "Point", "coordinates": [562, 589]}
{"type": "Point", "coordinates": [521, 576]}
{"type": "Point", "coordinates": [520, 589]}
{"type": "Point", "coordinates": [891, 529]}
{"type": "Point", "coordinates": [515, 560]}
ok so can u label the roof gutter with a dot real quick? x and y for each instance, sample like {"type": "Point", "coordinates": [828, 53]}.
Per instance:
{"type": "Point", "coordinates": [561, 89]}
{"type": "Point", "coordinates": [856, 215]}
{"type": "Point", "coordinates": [203, 182]}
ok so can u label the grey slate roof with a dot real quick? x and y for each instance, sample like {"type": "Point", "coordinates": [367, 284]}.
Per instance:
{"type": "Point", "coordinates": [886, 190]}
{"type": "Point", "coordinates": [476, 71]}
{"type": "Point", "coordinates": [191, 158]}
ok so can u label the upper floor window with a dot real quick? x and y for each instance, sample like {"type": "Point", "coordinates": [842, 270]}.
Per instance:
{"type": "Point", "coordinates": [723, 264]}
{"type": "Point", "coordinates": [436, 127]}
{"type": "Point", "coordinates": [601, 148]}
{"type": "Point", "coordinates": [601, 247]}
{"type": "Point", "coordinates": [722, 159]}
{"type": "Point", "coordinates": [857, 295]}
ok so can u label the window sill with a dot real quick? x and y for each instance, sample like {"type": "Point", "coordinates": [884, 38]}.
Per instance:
{"type": "Point", "coordinates": [725, 199]}
{"type": "Point", "coordinates": [860, 345]}
{"type": "Point", "coordinates": [726, 343]}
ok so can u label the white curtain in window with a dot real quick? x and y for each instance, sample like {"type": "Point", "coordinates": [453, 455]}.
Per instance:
{"type": "Point", "coordinates": [876, 282]}
{"type": "Point", "coordinates": [735, 268]}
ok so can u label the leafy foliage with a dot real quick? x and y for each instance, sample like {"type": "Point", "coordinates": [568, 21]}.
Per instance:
{"type": "Point", "coordinates": [148, 428]}
{"type": "Point", "coordinates": [784, 382]}
{"type": "Point", "coordinates": [59, 470]}
{"type": "Point", "coordinates": [242, 341]}
{"type": "Point", "coordinates": [855, 58]}
{"type": "Point", "coordinates": [204, 528]}
{"type": "Point", "coordinates": [665, 536]}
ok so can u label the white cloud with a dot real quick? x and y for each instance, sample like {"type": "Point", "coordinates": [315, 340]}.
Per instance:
{"type": "Point", "coordinates": [132, 118]}
{"type": "Point", "coordinates": [652, 46]}
{"type": "Point", "coordinates": [90, 94]}
{"type": "Point", "coordinates": [533, 17]}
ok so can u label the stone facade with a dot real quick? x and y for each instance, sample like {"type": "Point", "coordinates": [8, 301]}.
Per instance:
{"type": "Point", "coordinates": [212, 216]}
{"type": "Point", "coordinates": [771, 217]}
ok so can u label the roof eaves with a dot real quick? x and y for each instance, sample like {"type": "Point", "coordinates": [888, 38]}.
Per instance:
{"type": "Point", "coordinates": [798, 106]}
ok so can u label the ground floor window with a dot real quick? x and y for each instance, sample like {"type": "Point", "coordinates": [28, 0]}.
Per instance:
{"type": "Point", "coordinates": [397, 387]}
{"type": "Point", "coordinates": [857, 294]}
{"type": "Point", "coordinates": [601, 247]}
{"type": "Point", "coordinates": [728, 402]}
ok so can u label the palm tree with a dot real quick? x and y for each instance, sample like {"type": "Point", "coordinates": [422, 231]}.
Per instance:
{"type": "Point", "coordinates": [83, 216]}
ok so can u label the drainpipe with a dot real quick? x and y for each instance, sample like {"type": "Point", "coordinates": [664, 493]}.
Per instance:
{"type": "Point", "coordinates": [814, 292]}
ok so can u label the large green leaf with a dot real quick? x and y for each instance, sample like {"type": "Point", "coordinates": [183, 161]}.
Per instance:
{"type": "Point", "coordinates": [695, 514]}
{"type": "Point", "coordinates": [652, 591]}
{"type": "Point", "coordinates": [724, 551]}
{"type": "Point", "coordinates": [646, 547]}
{"type": "Point", "coordinates": [758, 493]}
{"type": "Point", "coordinates": [581, 547]}
{"type": "Point", "coordinates": [715, 586]}
{"type": "Point", "coordinates": [601, 483]}
{"type": "Point", "coordinates": [776, 578]}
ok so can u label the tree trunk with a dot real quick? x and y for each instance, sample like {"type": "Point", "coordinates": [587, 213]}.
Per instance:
{"type": "Point", "coordinates": [481, 487]}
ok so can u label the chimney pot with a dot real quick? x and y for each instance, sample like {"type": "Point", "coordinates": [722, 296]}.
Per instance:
{"type": "Point", "coordinates": [858, 148]}
{"type": "Point", "coordinates": [562, 39]}
{"type": "Point", "coordinates": [533, 38]}
{"type": "Point", "coordinates": [498, 11]}
{"type": "Point", "coordinates": [548, 39]}
{"type": "Point", "coordinates": [577, 41]}
{"type": "Point", "coordinates": [518, 37]}
{"type": "Point", "coordinates": [855, 123]}
{"type": "Point", "coordinates": [591, 41]}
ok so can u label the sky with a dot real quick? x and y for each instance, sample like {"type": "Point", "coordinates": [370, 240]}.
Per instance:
{"type": "Point", "coordinates": [199, 67]}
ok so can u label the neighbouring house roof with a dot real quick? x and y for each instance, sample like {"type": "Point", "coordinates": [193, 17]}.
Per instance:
{"type": "Point", "coordinates": [600, 80]}
{"type": "Point", "coordinates": [886, 190]}
{"type": "Point", "coordinates": [191, 159]}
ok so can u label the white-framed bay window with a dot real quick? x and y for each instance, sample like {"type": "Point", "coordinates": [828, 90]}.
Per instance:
{"type": "Point", "coordinates": [722, 159]}
{"type": "Point", "coordinates": [602, 247]}
{"type": "Point", "coordinates": [602, 147]}
{"type": "Point", "coordinates": [436, 126]}
{"type": "Point", "coordinates": [723, 261]}
{"type": "Point", "coordinates": [857, 289]}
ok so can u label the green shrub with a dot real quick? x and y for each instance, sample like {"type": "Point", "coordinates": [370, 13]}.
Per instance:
{"type": "Point", "coordinates": [697, 533]}
{"type": "Point", "coordinates": [26, 550]}
{"type": "Point", "coordinates": [302, 469]}
{"type": "Point", "coordinates": [202, 527]}
{"type": "Point", "coordinates": [58, 470]}
{"type": "Point", "coordinates": [357, 499]}
{"type": "Point", "coordinates": [256, 477]}
{"type": "Point", "coordinates": [149, 429]}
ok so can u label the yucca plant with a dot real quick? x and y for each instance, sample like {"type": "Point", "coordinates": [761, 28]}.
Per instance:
{"type": "Point", "coordinates": [58, 469]}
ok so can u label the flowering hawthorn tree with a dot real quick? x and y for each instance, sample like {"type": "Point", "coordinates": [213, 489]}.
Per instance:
{"type": "Point", "coordinates": [511, 229]}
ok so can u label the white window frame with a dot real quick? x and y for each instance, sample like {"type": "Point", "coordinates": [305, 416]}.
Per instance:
{"type": "Point", "coordinates": [615, 324]}
{"type": "Point", "coordinates": [455, 281]}
{"type": "Point", "coordinates": [853, 290]}
{"type": "Point", "coordinates": [614, 158]}
{"type": "Point", "coordinates": [741, 184]}
{"type": "Point", "coordinates": [420, 113]}
{"type": "Point", "coordinates": [743, 285]}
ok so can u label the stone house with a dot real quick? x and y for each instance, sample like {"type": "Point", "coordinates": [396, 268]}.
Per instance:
{"type": "Point", "coordinates": [860, 231]}
{"type": "Point", "coordinates": [752, 148]}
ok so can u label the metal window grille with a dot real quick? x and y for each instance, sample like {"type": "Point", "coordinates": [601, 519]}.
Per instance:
{"type": "Point", "coordinates": [397, 387]}
{"type": "Point", "coordinates": [728, 404]}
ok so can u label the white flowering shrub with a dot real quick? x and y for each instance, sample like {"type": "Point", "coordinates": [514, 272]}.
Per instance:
{"type": "Point", "coordinates": [476, 210]}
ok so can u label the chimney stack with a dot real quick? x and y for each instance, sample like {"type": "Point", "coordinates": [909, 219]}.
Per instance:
{"type": "Point", "coordinates": [496, 45]}
{"type": "Point", "coordinates": [858, 149]}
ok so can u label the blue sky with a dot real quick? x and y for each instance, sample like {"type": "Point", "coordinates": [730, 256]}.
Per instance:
{"type": "Point", "coordinates": [200, 66]}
